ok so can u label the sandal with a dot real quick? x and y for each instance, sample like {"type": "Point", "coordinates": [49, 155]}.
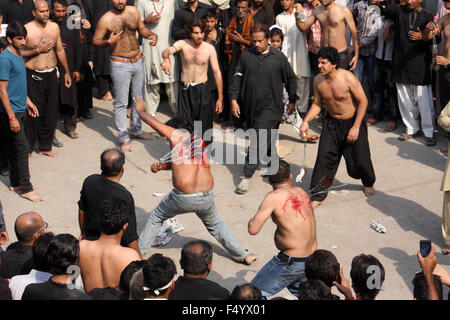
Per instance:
{"type": "Point", "coordinates": [72, 134]}
{"type": "Point", "coordinates": [406, 137]}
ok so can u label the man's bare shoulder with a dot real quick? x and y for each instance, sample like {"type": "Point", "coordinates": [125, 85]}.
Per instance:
{"type": "Point", "coordinates": [318, 79]}
{"type": "Point", "coordinates": [348, 75]}
{"type": "Point", "coordinates": [125, 253]}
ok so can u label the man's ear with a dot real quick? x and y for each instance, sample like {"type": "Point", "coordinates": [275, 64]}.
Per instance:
{"type": "Point", "coordinates": [125, 226]}
{"type": "Point", "coordinates": [210, 266]}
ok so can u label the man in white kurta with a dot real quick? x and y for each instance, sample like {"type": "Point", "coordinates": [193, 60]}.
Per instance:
{"type": "Point", "coordinates": [150, 10]}
{"type": "Point", "coordinates": [294, 48]}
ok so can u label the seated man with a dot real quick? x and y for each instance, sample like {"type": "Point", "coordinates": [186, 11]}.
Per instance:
{"type": "Point", "coordinates": [363, 267]}
{"type": "Point", "coordinates": [103, 260]}
{"type": "Point", "coordinates": [246, 291]}
{"type": "Point", "coordinates": [323, 265]}
{"type": "Point", "coordinates": [158, 273]}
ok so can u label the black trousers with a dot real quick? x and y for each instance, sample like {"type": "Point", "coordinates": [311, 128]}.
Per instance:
{"type": "Point", "coordinates": [43, 91]}
{"type": "Point", "coordinates": [333, 145]}
{"type": "Point", "coordinates": [16, 147]}
{"type": "Point", "coordinates": [344, 59]}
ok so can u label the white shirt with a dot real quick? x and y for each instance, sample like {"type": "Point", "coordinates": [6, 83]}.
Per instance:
{"type": "Point", "coordinates": [294, 44]}
{"type": "Point", "coordinates": [19, 283]}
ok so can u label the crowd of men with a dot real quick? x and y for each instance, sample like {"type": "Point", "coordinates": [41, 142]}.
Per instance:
{"type": "Point", "coordinates": [241, 64]}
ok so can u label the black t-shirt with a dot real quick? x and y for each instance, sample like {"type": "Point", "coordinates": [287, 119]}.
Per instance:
{"type": "Point", "coordinates": [107, 294]}
{"type": "Point", "coordinates": [97, 188]}
{"type": "Point", "coordinates": [13, 10]}
{"type": "Point", "coordinates": [198, 289]}
{"type": "Point", "coordinates": [13, 260]}
{"type": "Point", "coordinates": [50, 290]}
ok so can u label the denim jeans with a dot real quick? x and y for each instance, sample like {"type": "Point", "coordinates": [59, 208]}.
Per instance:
{"type": "Point", "coordinates": [126, 76]}
{"type": "Point", "coordinates": [366, 65]}
{"type": "Point", "coordinates": [383, 81]}
{"type": "Point", "coordinates": [277, 275]}
{"type": "Point", "coordinates": [202, 203]}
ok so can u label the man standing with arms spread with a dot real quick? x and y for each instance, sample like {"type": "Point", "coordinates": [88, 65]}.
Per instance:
{"type": "Point", "coordinates": [13, 105]}
{"type": "Point", "coordinates": [261, 74]}
{"type": "Point", "coordinates": [127, 66]}
{"type": "Point", "coordinates": [333, 20]}
{"type": "Point", "coordinates": [295, 236]}
{"type": "Point", "coordinates": [344, 133]}
{"type": "Point", "coordinates": [196, 56]}
{"type": "Point", "coordinates": [43, 46]}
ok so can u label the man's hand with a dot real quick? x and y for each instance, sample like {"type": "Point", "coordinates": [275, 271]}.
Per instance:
{"type": "Point", "coordinates": [14, 125]}
{"type": "Point", "coordinates": [237, 37]}
{"type": "Point", "coordinates": [155, 167]}
{"type": "Point", "coordinates": [298, 8]}
{"type": "Point", "coordinates": [353, 135]}
{"type": "Point", "coordinates": [86, 24]}
{"type": "Point", "coordinates": [4, 238]}
{"type": "Point", "coordinates": [166, 66]}
{"type": "Point", "coordinates": [32, 109]}
{"type": "Point", "coordinates": [344, 286]}
{"type": "Point", "coordinates": [235, 108]}
{"type": "Point", "coordinates": [45, 47]}
{"type": "Point", "coordinates": [415, 36]}
{"type": "Point", "coordinates": [152, 19]}
{"type": "Point", "coordinates": [153, 39]}
{"type": "Point", "coordinates": [428, 263]}
{"type": "Point", "coordinates": [91, 65]}
{"type": "Point", "coordinates": [442, 61]}
{"type": "Point", "coordinates": [316, 3]}
{"type": "Point", "coordinates": [353, 63]}
{"type": "Point", "coordinates": [76, 76]}
{"type": "Point", "coordinates": [291, 108]}
{"type": "Point", "coordinates": [115, 37]}
{"type": "Point", "coordinates": [219, 106]}
{"type": "Point", "coordinates": [430, 26]}
{"type": "Point", "coordinates": [304, 128]}
{"type": "Point", "coordinates": [140, 104]}
{"type": "Point", "coordinates": [67, 80]}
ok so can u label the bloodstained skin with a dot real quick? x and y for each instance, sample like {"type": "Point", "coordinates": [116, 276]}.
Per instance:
{"type": "Point", "coordinates": [297, 204]}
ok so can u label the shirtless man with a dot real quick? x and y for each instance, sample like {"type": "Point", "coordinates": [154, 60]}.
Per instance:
{"type": "Point", "coordinates": [344, 132]}
{"type": "Point", "coordinates": [193, 184]}
{"type": "Point", "coordinates": [43, 47]}
{"type": "Point", "coordinates": [333, 20]}
{"type": "Point", "coordinates": [295, 236]}
{"type": "Point", "coordinates": [196, 55]}
{"type": "Point", "coordinates": [102, 261]}
{"type": "Point", "coordinates": [120, 25]}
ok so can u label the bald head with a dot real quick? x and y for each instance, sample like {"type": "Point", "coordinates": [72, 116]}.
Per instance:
{"type": "Point", "coordinates": [26, 226]}
{"type": "Point", "coordinates": [112, 161]}
{"type": "Point", "coordinates": [196, 257]}
{"type": "Point", "coordinates": [40, 4]}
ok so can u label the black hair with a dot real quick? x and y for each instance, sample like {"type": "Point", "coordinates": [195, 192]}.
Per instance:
{"type": "Point", "coordinates": [360, 274]}
{"type": "Point", "coordinates": [61, 2]}
{"type": "Point", "coordinates": [40, 247]}
{"type": "Point", "coordinates": [283, 173]}
{"type": "Point", "coordinates": [420, 287]}
{"type": "Point", "coordinates": [277, 32]}
{"type": "Point", "coordinates": [3, 43]}
{"type": "Point", "coordinates": [329, 53]}
{"type": "Point", "coordinates": [112, 164]}
{"type": "Point", "coordinates": [63, 251]}
{"type": "Point", "coordinates": [127, 274]}
{"type": "Point", "coordinates": [246, 291]}
{"type": "Point", "coordinates": [314, 290]}
{"type": "Point", "coordinates": [322, 265]}
{"type": "Point", "coordinates": [210, 13]}
{"type": "Point", "coordinates": [180, 123]}
{"type": "Point", "coordinates": [137, 286]}
{"type": "Point", "coordinates": [260, 27]}
{"type": "Point", "coordinates": [5, 291]}
{"type": "Point", "coordinates": [189, 28]}
{"type": "Point", "coordinates": [112, 216]}
{"type": "Point", "coordinates": [158, 271]}
{"type": "Point", "coordinates": [196, 257]}
{"type": "Point", "coordinates": [239, 1]}
{"type": "Point", "coordinates": [16, 29]}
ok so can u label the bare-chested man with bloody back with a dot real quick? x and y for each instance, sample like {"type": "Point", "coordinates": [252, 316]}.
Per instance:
{"type": "Point", "coordinates": [117, 29]}
{"type": "Point", "coordinates": [295, 236]}
{"type": "Point", "coordinates": [333, 20]}
{"type": "Point", "coordinates": [43, 46]}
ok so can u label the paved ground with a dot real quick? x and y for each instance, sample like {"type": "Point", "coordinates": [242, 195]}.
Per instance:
{"type": "Point", "coordinates": [408, 200]}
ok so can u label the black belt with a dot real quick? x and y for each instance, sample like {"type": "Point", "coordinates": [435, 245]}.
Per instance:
{"type": "Point", "coordinates": [285, 258]}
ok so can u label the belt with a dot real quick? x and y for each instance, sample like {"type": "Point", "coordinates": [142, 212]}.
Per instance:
{"type": "Point", "coordinates": [193, 194]}
{"type": "Point", "coordinates": [133, 60]}
{"type": "Point", "coordinates": [290, 260]}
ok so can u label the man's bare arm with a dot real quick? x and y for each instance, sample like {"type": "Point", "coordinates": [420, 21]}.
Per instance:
{"type": "Point", "coordinates": [82, 222]}
{"type": "Point", "coordinates": [160, 127]}
{"type": "Point", "coordinates": [61, 54]}
{"type": "Point", "coordinates": [358, 95]}
{"type": "Point", "coordinates": [304, 25]}
{"type": "Point", "coordinates": [100, 33]}
{"type": "Point", "coordinates": [143, 31]}
{"type": "Point", "coordinates": [217, 77]}
{"type": "Point", "coordinates": [350, 22]}
{"type": "Point", "coordinates": [264, 212]}
{"type": "Point", "coordinates": [314, 111]}
{"type": "Point", "coordinates": [177, 46]}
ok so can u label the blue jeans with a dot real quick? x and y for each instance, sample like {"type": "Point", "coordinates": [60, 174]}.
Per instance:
{"type": "Point", "coordinates": [126, 76]}
{"type": "Point", "coordinates": [277, 275]}
{"type": "Point", "coordinates": [202, 203]}
{"type": "Point", "coordinates": [366, 65]}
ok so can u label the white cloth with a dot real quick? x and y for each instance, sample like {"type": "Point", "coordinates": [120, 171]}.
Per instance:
{"type": "Point", "coordinates": [415, 101]}
{"type": "Point", "coordinates": [19, 283]}
{"type": "Point", "coordinates": [153, 55]}
{"type": "Point", "coordinates": [152, 97]}
{"type": "Point", "coordinates": [294, 44]}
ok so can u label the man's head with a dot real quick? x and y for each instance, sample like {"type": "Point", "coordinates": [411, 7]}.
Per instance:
{"type": "Point", "coordinates": [196, 31]}
{"type": "Point", "coordinates": [112, 162]}
{"type": "Point", "coordinates": [191, 2]}
{"type": "Point", "coordinates": [41, 11]}
{"type": "Point", "coordinates": [287, 4]}
{"type": "Point", "coordinates": [314, 290]}
{"type": "Point", "coordinates": [63, 251]}
{"type": "Point", "coordinates": [258, 3]}
{"type": "Point", "coordinates": [127, 274]}
{"type": "Point", "coordinates": [28, 227]}
{"type": "Point", "coordinates": [59, 10]}
{"type": "Point", "coordinates": [420, 288]}
{"type": "Point", "coordinates": [447, 6]}
{"type": "Point", "coordinates": [113, 216]}
{"type": "Point", "coordinates": [414, 4]}
{"type": "Point", "coordinates": [210, 19]}
{"type": "Point", "coordinates": [16, 35]}
{"type": "Point", "coordinates": [196, 258]}
{"type": "Point", "coordinates": [246, 291]}
{"type": "Point", "coordinates": [322, 265]}
{"type": "Point", "coordinates": [328, 59]}
{"type": "Point", "coordinates": [363, 267]}
{"type": "Point", "coordinates": [326, 3]}
{"type": "Point", "coordinates": [40, 248]}
{"type": "Point", "coordinates": [260, 34]}
{"type": "Point", "coordinates": [283, 174]}
{"type": "Point", "coordinates": [242, 8]}
{"type": "Point", "coordinates": [119, 5]}
{"type": "Point", "coordinates": [159, 272]}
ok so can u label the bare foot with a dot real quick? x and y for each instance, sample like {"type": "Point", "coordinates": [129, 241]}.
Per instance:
{"type": "Point", "coordinates": [50, 153]}
{"type": "Point", "coordinates": [249, 259]}
{"type": "Point", "coordinates": [369, 191]}
{"type": "Point", "coordinates": [126, 147]}
{"type": "Point", "coordinates": [107, 97]}
{"type": "Point", "coordinates": [32, 196]}
{"type": "Point", "coordinates": [445, 250]}
{"type": "Point", "coordinates": [315, 204]}
{"type": "Point", "coordinates": [143, 136]}
{"type": "Point", "coordinates": [20, 188]}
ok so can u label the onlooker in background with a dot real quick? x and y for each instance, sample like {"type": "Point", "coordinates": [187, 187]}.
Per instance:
{"type": "Point", "coordinates": [4, 171]}
{"type": "Point", "coordinates": [363, 267]}
{"type": "Point", "coordinates": [246, 291]}
{"type": "Point", "coordinates": [28, 227]}
{"type": "Point", "coordinates": [444, 122]}
{"type": "Point", "coordinates": [314, 41]}
{"type": "Point", "coordinates": [13, 10]}
{"type": "Point", "coordinates": [314, 290]}
{"type": "Point", "coordinates": [261, 13]}
{"type": "Point", "coordinates": [87, 79]}
{"type": "Point", "coordinates": [4, 237]}
{"type": "Point", "coordinates": [5, 292]}
{"type": "Point", "coordinates": [420, 286]}
{"type": "Point", "coordinates": [184, 16]}
{"type": "Point", "coordinates": [63, 252]}
{"type": "Point", "coordinates": [324, 266]}
{"type": "Point", "coordinates": [158, 272]}
{"type": "Point", "coordinates": [196, 262]}
{"type": "Point", "coordinates": [40, 272]}
{"type": "Point", "coordinates": [428, 265]}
